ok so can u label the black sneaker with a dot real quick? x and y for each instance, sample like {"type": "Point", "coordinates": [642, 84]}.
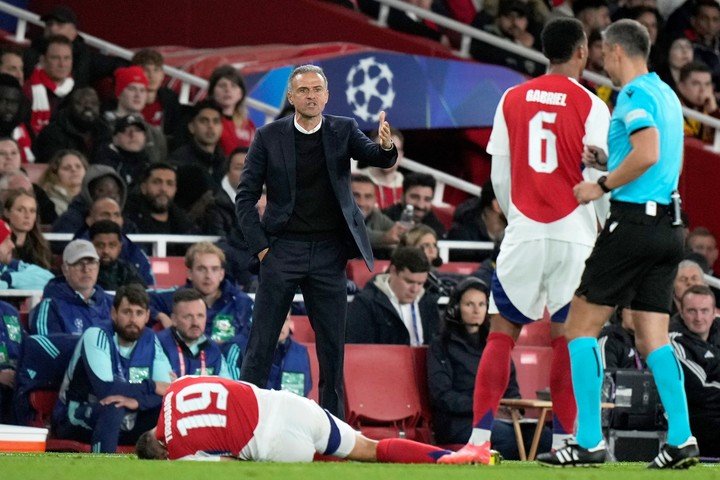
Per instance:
{"type": "Point", "coordinates": [573, 455]}
{"type": "Point", "coordinates": [682, 456]}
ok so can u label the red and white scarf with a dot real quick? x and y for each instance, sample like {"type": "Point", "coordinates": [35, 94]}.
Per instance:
{"type": "Point", "coordinates": [36, 88]}
{"type": "Point", "coordinates": [21, 135]}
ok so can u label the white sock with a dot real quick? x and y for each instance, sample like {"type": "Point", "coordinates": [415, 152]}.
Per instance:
{"type": "Point", "coordinates": [558, 440]}
{"type": "Point", "coordinates": [479, 436]}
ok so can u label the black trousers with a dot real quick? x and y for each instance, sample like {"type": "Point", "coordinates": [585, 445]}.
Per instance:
{"type": "Point", "coordinates": [318, 268]}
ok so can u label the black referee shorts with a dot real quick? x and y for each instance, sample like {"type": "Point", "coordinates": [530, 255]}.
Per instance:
{"type": "Point", "coordinates": [634, 260]}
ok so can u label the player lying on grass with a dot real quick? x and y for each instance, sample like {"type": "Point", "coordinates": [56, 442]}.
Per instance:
{"type": "Point", "coordinates": [212, 418]}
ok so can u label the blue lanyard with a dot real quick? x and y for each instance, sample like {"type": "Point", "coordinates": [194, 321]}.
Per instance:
{"type": "Point", "coordinates": [415, 324]}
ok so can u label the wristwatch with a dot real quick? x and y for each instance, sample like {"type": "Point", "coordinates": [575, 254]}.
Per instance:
{"type": "Point", "coordinates": [601, 181]}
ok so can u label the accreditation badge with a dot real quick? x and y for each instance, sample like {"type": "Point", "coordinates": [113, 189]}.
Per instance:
{"type": "Point", "coordinates": [222, 328]}
{"type": "Point", "coordinates": [13, 328]}
{"type": "Point", "coordinates": [4, 357]}
{"type": "Point", "coordinates": [138, 374]}
{"type": "Point", "coordinates": [293, 382]}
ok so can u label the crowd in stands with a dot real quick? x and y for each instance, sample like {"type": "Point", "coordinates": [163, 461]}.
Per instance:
{"type": "Point", "coordinates": [685, 38]}
{"type": "Point", "coordinates": [139, 162]}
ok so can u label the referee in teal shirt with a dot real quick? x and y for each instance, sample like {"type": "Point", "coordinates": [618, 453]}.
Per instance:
{"type": "Point", "coordinates": [636, 255]}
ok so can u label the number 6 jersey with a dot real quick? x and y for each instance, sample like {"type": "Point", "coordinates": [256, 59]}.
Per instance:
{"type": "Point", "coordinates": [539, 132]}
{"type": "Point", "coordinates": [207, 414]}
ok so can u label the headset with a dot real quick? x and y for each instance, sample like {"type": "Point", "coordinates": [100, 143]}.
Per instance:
{"type": "Point", "coordinates": [452, 312]}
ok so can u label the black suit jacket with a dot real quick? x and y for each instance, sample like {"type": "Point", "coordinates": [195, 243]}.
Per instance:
{"type": "Point", "coordinates": [271, 161]}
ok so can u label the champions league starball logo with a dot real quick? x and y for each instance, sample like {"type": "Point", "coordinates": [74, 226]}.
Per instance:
{"type": "Point", "coordinates": [370, 89]}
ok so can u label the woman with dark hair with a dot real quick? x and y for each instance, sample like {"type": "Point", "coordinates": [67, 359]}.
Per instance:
{"type": "Point", "coordinates": [453, 360]}
{"type": "Point", "coordinates": [20, 212]}
{"type": "Point", "coordinates": [227, 88]}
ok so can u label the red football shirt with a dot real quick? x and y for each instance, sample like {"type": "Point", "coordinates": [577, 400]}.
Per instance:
{"type": "Point", "coordinates": [542, 126]}
{"type": "Point", "coordinates": [208, 414]}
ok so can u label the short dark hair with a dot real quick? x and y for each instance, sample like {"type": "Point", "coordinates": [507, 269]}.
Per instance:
{"type": "Point", "coordinates": [631, 35]}
{"type": "Point", "coordinates": [104, 227]}
{"type": "Point", "coordinates": [229, 72]}
{"type": "Point", "coordinates": [147, 56]}
{"type": "Point", "coordinates": [410, 258]}
{"type": "Point", "coordinates": [487, 195]}
{"type": "Point", "coordinates": [698, 232]}
{"type": "Point", "coordinates": [697, 290]}
{"type": "Point", "coordinates": [561, 37]}
{"type": "Point", "coordinates": [704, 3]}
{"type": "Point", "coordinates": [186, 295]}
{"type": "Point", "coordinates": [12, 50]}
{"type": "Point", "coordinates": [135, 295]}
{"type": "Point", "coordinates": [418, 180]}
{"type": "Point", "coordinates": [691, 68]}
{"type": "Point", "coordinates": [59, 39]}
{"type": "Point", "coordinates": [580, 6]}
{"type": "Point", "coordinates": [148, 447]}
{"type": "Point", "coordinates": [361, 178]}
{"type": "Point", "coordinates": [157, 166]}
{"type": "Point", "coordinates": [205, 104]}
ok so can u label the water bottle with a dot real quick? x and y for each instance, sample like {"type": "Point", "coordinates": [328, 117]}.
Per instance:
{"type": "Point", "coordinates": [406, 218]}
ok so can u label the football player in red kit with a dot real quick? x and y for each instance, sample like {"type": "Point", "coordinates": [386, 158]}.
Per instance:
{"type": "Point", "coordinates": [212, 418]}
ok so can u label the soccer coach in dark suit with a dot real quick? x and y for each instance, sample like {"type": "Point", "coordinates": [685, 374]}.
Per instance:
{"type": "Point", "coordinates": [310, 228]}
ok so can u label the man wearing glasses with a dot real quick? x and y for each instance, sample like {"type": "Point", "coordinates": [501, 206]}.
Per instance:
{"type": "Point", "coordinates": [73, 302]}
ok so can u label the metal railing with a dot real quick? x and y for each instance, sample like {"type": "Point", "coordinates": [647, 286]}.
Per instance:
{"type": "Point", "coordinates": [159, 242]}
{"type": "Point", "coordinates": [469, 33]}
{"type": "Point", "coordinates": [187, 80]}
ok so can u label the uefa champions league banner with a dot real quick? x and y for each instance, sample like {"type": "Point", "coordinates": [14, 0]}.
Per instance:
{"type": "Point", "coordinates": [416, 92]}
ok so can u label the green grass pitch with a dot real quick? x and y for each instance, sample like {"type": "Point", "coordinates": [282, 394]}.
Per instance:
{"type": "Point", "coordinates": [110, 467]}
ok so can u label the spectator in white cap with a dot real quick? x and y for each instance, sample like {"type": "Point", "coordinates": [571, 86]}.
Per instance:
{"type": "Point", "coordinates": [16, 274]}
{"type": "Point", "coordinates": [73, 302]}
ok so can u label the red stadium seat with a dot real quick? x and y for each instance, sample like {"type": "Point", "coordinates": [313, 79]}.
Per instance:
{"type": "Point", "coordinates": [424, 429]}
{"type": "Point", "coordinates": [532, 369]}
{"type": "Point", "coordinates": [445, 214]}
{"type": "Point", "coordinates": [302, 330]}
{"type": "Point", "coordinates": [462, 268]}
{"type": "Point", "coordinates": [358, 272]}
{"type": "Point", "coordinates": [168, 271]}
{"type": "Point", "coordinates": [381, 394]}
{"type": "Point", "coordinates": [536, 334]}
{"type": "Point", "coordinates": [43, 402]}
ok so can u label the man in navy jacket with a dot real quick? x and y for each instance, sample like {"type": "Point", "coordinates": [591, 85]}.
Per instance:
{"type": "Point", "coordinates": [114, 384]}
{"type": "Point", "coordinates": [74, 302]}
{"type": "Point", "coordinates": [189, 350]}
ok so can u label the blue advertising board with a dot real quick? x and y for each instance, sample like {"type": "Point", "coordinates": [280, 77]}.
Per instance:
{"type": "Point", "coordinates": [416, 92]}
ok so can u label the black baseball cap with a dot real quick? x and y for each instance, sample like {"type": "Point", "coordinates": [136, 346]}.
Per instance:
{"type": "Point", "coordinates": [60, 14]}
{"type": "Point", "coordinates": [129, 120]}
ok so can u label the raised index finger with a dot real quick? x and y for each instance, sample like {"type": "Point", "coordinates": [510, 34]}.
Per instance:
{"type": "Point", "coordinates": [382, 118]}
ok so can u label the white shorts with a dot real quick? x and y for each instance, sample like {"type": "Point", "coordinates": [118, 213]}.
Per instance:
{"type": "Point", "coordinates": [292, 428]}
{"type": "Point", "coordinates": [535, 274]}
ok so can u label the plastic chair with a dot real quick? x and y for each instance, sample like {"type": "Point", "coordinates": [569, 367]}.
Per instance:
{"type": "Point", "coordinates": [302, 331]}
{"type": "Point", "coordinates": [381, 394]}
{"type": "Point", "coordinates": [168, 271]}
{"type": "Point", "coordinates": [536, 334]}
{"type": "Point", "coordinates": [358, 272]}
